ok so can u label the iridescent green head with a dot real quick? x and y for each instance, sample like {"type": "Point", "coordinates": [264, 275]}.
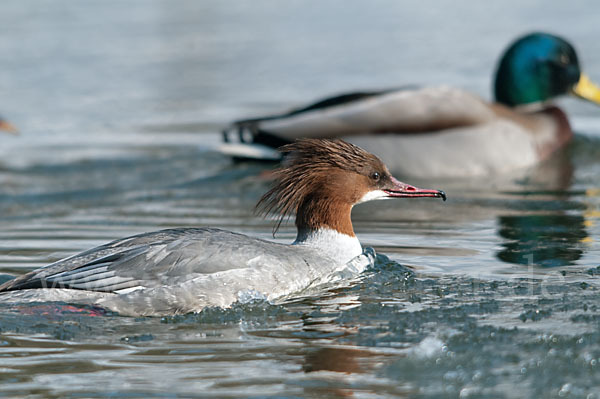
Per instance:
{"type": "Point", "coordinates": [535, 68]}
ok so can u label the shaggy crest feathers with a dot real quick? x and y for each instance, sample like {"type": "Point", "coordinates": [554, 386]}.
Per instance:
{"type": "Point", "coordinates": [308, 164]}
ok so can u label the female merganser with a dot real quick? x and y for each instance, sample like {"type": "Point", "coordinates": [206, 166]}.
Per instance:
{"type": "Point", "coordinates": [462, 134]}
{"type": "Point", "coordinates": [184, 270]}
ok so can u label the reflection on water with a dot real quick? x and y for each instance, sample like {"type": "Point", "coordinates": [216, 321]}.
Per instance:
{"type": "Point", "coordinates": [340, 360]}
{"type": "Point", "coordinates": [337, 360]}
{"type": "Point", "coordinates": [545, 240]}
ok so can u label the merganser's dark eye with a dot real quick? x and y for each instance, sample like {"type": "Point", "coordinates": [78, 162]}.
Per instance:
{"type": "Point", "coordinates": [375, 176]}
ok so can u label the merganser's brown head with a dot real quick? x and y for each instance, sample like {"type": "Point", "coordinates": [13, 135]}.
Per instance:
{"type": "Point", "coordinates": [320, 181]}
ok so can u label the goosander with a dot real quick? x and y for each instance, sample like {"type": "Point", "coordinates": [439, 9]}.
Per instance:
{"type": "Point", "coordinates": [463, 135]}
{"type": "Point", "coordinates": [185, 270]}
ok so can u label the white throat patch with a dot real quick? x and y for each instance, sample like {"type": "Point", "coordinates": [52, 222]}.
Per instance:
{"type": "Point", "coordinates": [331, 243]}
{"type": "Point", "coordinates": [373, 195]}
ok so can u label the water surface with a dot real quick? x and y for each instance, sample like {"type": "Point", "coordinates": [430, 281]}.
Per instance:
{"type": "Point", "coordinates": [492, 294]}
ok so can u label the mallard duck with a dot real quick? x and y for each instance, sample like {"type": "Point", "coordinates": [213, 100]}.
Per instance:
{"type": "Point", "coordinates": [7, 127]}
{"type": "Point", "coordinates": [444, 131]}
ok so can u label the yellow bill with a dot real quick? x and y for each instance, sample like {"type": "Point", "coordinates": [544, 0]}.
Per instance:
{"type": "Point", "coordinates": [8, 127]}
{"type": "Point", "coordinates": [587, 90]}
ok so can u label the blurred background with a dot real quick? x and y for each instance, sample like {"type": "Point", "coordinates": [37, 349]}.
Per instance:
{"type": "Point", "coordinates": [120, 105]}
{"type": "Point", "coordinates": [107, 72]}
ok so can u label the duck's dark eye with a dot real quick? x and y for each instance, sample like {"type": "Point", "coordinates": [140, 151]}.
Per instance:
{"type": "Point", "coordinates": [375, 176]}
